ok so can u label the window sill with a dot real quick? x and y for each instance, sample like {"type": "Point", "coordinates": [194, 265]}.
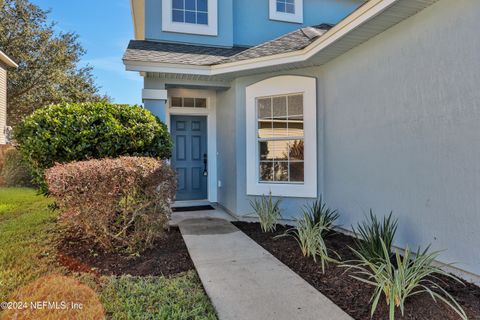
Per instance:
{"type": "Point", "coordinates": [190, 28]}
{"type": "Point", "coordinates": [296, 190]}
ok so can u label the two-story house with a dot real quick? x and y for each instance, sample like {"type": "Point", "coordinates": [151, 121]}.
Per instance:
{"type": "Point", "coordinates": [372, 104]}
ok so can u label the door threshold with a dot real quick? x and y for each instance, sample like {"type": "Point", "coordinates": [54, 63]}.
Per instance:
{"type": "Point", "coordinates": [190, 203]}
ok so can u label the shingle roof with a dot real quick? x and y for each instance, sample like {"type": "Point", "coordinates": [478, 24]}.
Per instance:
{"type": "Point", "coordinates": [153, 51]}
{"type": "Point", "coordinates": [293, 41]}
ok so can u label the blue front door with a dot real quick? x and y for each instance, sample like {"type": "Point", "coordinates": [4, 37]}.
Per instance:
{"type": "Point", "coordinates": [189, 156]}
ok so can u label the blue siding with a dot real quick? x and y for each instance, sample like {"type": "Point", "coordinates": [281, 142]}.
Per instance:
{"type": "Point", "coordinates": [253, 26]}
{"type": "Point", "coordinates": [158, 108]}
{"type": "Point", "coordinates": [246, 22]}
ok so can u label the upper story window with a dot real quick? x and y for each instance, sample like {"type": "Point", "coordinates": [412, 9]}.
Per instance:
{"type": "Point", "coordinates": [190, 16]}
{"type": "Point", "coordinates": [190, 11]}
{"type": "Point", "coordinates": [287, 10]}
{"type": "Point", "coordinates": [286, 6]}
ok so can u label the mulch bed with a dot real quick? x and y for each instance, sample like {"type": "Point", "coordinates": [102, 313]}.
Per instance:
{"type": "Point", "coordinates": [352, 295]}
{"type": "Point", "coordinates": [169, 256]}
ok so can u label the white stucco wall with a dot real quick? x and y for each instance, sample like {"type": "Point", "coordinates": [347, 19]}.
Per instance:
{"type": "Point", "coordinates": [402, 130]}
{"type": "Point", "coordinates": [3, 102]}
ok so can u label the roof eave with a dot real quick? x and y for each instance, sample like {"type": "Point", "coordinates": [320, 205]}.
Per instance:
{"type": "Point", "coordinates": [7, 61]}
{"type": "Point", "coordinates": [364, 14]}
{"type": "Point", "coordinates": [148, 66]}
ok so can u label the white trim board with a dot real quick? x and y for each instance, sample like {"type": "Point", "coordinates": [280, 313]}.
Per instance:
{"type": "Point", "coordinates": [211, 29]}
{"type": "Point", "coordinates": [282, 85]}
{"type": "Point", "coordinates": [154, 94]}
{"type": "Point", "coordinates": [211, 115]}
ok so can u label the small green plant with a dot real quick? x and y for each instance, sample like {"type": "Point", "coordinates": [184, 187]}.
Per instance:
{"type": "Point", "coordinates": [371, 233]}
{"type": "Point", "coordinates": [319, 213]}
{"type": "Point", "coordinates": [413, 274]}
{"type": "Point", "coordinates": [268, 212]}
{"type": "Point", "coordinates": [310, 238]}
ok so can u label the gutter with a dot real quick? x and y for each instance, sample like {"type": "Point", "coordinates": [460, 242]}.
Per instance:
{"type": "Point", "coordinates": [6, 60]}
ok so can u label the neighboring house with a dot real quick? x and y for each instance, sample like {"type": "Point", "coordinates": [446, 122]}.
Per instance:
{"type": "Point", "coordinates": [5, 63]}
{"type": "Point", "coordinates": [380, 111]}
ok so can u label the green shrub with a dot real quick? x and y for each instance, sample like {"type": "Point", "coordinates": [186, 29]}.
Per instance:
{"type": "Point", "coordinates": [73, 132]}
{"type": "Point", "coordinates": [413, 274]}
{"type": "Point", "coordinates": [370, 235]}
{"type": "Point", "coordinates": [15, 171]}
{"type": "Point", "coordinates": [123, 203]}
{"type": "Point", "coordinates": [319, 213]}
{"type": "Point", "coordinates": [268, 212]}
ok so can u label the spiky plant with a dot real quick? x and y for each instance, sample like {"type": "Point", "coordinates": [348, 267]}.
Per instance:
{"type": "Point", "coordinates": [413, 274]}
{"type": "Point", "coordinates": [371, 233]}
{"type": "Point", "coordinates": [310, 236]}
{"type": "Point", "coordinates": [268, 212]}
{"type": "Point", "coordinates": [320, 213]}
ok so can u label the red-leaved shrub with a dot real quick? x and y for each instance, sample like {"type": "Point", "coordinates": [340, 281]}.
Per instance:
{"type": "Point", "coordinates": [121, 203]}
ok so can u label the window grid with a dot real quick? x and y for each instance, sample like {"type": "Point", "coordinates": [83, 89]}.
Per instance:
{"type": "Point", "coordinates": [190, 11]}
{"type": "Point", "coordinates": [286, 6]}
{"type": "Point", "coordinates": [291, 143]}
{"type": "Point", "coordinates": [181, 102]}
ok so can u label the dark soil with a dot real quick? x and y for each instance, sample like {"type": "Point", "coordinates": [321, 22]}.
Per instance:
{"type": "Point", "coordinates": [352, 295]}
{"type": "Point", "coordinates": [169, 256]}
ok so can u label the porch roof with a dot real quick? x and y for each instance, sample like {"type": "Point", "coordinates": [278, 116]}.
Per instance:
{"type": "Point", "coordinates": [177, 53]}
{"type": "Point", "coordinates": [302, 48]}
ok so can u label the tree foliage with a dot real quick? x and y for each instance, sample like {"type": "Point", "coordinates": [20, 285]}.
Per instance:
{"type": "Point", "coordinates": [49, 70]}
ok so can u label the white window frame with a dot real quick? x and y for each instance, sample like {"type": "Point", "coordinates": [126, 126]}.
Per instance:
{"type": "Point", "coordinates": [296, 17]}
{"type": "Point", "coordinates": [283, 85]}
{"type": "Point", "coordinates": [210, 29]}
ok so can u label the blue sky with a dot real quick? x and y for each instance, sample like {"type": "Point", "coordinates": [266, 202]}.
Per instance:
{"type": "Point", "coordinates": [104, 27]}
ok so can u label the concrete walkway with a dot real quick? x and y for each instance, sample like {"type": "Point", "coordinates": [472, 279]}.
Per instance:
{"type": "Point", "coordinates": [244, 281]}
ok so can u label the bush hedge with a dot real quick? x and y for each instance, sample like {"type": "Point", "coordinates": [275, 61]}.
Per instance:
{"type": "Point", "coordinates": [73, 132]}
{"type": "Point", "coordinates": [122, 203]}
{"type": "Point", "coordinates": [15, 171]}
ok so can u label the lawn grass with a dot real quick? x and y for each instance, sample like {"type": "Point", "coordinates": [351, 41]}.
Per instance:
{"type": "Point", "coordinates": [28, 229]}
{"type": "Point", "coordinates": [26, 225]}
{"type": "Point", "coordinates": [181, 297]}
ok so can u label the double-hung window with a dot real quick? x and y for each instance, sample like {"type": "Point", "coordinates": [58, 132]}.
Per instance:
{"type": "Point", "coordinates": [281, 141]}
{"type": "Point", "coordinates": [281, 138]}
{"type": "Point", "coordinates": [190, 16]}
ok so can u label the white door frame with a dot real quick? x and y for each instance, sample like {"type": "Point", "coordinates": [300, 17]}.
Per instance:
{"type": "Point", "coordinates": [210, 113]}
